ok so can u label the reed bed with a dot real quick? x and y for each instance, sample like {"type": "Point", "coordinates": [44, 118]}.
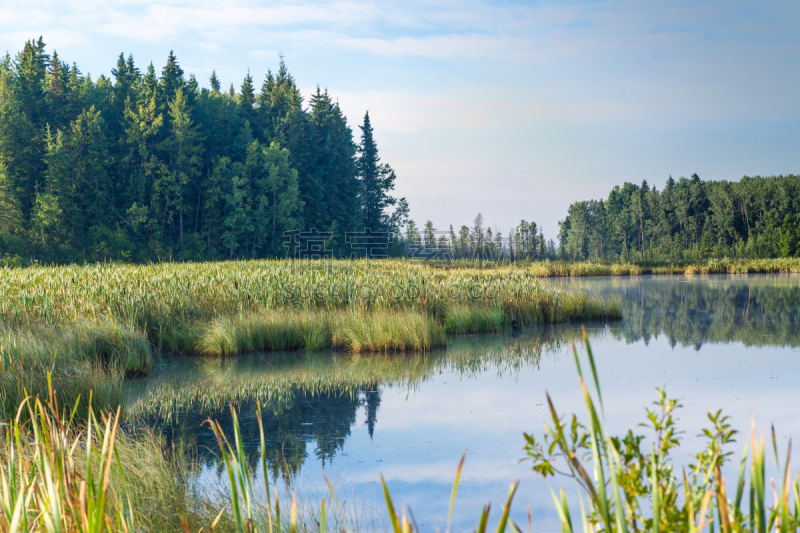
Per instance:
{"type": "Point", "coordinates": [116, 319]}
{"type": "Point", "coordinates": [623, 268]}
{"type": "Point", "coordinates": [210, 307]}
{"type": "Point", "coordinates": [161, 298]}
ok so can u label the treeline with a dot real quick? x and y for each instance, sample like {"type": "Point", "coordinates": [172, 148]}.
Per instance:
{"type": "Point", "coordinates": [688, 220]}
{"type": "Point", "coordinates": [142, 166]}
{"type": "Point", "coordinates": [525, 241]}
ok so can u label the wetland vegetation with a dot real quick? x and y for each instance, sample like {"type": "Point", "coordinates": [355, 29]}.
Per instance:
{"type": "Point", "coordinates": [94, 324]}
{"type": "Point", "coordinates": [173, 396]}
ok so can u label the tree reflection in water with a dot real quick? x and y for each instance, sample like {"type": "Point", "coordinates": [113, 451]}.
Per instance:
{"type": "Point", "coordinates": [310, 401]}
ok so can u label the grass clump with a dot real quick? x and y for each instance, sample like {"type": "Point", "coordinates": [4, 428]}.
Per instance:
{"type": "Point", "coordinates": [63, 473]}
{"type": "Point", "coordinates": [105, 343]}
{"type": "Point", "coordinates": [90, 359]}
{"type": "Point", "coordinates": [269, 330]}
{"type": "Point", "coordinates": [465, 318]}
{"type": "Point", "coordinates": [386, 331]}
{"type": "Point", "coordinates": [375, 331]}
{"type": "Point", "coordinates": [51, 483]}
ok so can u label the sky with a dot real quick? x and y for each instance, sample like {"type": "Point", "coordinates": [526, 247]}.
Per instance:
{"type": "Point", "coordinates": [510, 109]}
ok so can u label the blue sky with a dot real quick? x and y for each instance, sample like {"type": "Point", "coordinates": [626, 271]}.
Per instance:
{"type": "Point", "coordinates": [511, 109]}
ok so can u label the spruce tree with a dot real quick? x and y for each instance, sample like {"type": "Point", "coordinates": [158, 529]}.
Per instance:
{"type": "Point", "coordinates": [429, 236]}
{"type": "Point", "coordinates": [278, 204]}
{"type": "Point", "coordinates": [334, 165]}
{"type": "Point", "coordinates": [185, 161]}
{"type": "Point", "coordinates": [247, 100]}
{"type": "Point", "coordinates": [31, 66]}
{"type": "Point", "coordinates": [20, 147]}
{"type": "Point", "coordinates": [376, 180]}
{"type": "Point", "coordinates": [214, 82]}
{"type": "Point", "coordinates": [89, 161]}
{"type": "Point", "coordinates": [11, 221]}
{"type": "Point", "coordinates": [171, 80]}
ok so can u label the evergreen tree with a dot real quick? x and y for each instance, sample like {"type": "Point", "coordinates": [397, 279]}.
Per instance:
{"type": "Point", "coordinates": [478, 236]}
{"type": "Point", "coordinates": [46, 219]}
{"type": "Point", "coordinates": [789, 236]}
{"type": "Point", "coordinates": [214, 81]}
{"type": "Point", "coordinates": [20, 148]}
{"type": "Point", "coordinates": [185, 162]}
{"type": "Point", "coordinates": [11, 220]}
{"type": "Point", "coordinates": [429, 237]}
{"type": "Point", "coordinates": [278, 204]}
{"type": "Point", "coordinates": [31, 67]}
{"type": "Point", "coordinates": [171, 80]}
{"type": "Point", "coordinates": [376, 180]}
{"type": "Point", "coordinates": [247, 100]}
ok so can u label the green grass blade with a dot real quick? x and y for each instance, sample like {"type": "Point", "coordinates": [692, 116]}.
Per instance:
{"type": "Point", "coordinates": [592, 364]}
{"type": "Point", "coordinates": [484, 519]}
{"type": "Point", "coordinates": [655, 492]}
{"type": "Point", "coordinates": [264, 471]}
{"type": "Point", "coordinates": [390, 507]}
{"type": "Point", "coordinates": [501, 527]}
{"type": "Point", "coordinates": [563, 512]}
{"type": "Point", "coordinates": [455, 489]}
{"type": "Point", "coordinates": [741, 478]}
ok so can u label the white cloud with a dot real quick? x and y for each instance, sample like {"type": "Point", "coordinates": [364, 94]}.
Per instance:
{"type": "Point", "coordinates": [466, 80]}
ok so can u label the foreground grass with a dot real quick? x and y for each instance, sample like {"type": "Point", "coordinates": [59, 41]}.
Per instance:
{"type": "Point", "coordinates": [56, 475]}
{"type": "Point", "coordinates": [61, 475]}
{"type": "Point", "coordinates": [636, 487]}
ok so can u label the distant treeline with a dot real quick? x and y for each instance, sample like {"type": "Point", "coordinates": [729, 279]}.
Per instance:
{"type": "Point", "coordinates": [689, 219]}
{"type": "Point", "coordinates": [140, 166]}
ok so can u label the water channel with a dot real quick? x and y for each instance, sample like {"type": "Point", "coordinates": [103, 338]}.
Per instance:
{"type": "Point", "coordinates": [727, 342]}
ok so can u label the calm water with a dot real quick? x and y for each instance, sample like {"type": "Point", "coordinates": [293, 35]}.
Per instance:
{"type": "Point", "coordinates": [715, 342]}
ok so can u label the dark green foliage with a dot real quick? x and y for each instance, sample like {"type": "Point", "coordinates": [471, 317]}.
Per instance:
{"type": "Point", "coordinates": [689, 220]}
{"type": "Point", "coordinates": [140, 167]}
{"type": "Point", "coordinates": [376, 181]}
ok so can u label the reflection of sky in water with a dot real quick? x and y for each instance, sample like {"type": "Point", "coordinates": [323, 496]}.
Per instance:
{"type": "Point", "coordinates": [420, 434]}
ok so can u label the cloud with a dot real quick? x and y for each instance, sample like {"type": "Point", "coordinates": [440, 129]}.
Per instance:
{"type": "Point", "coordinates": [590, 93]}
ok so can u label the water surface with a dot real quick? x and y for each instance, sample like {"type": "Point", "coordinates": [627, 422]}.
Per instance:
{"type": "Point", "coordinates": [715, 342]}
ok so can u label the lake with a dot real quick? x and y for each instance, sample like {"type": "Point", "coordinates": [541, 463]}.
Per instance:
{"type": "Point", "coordinates": [715, 342]}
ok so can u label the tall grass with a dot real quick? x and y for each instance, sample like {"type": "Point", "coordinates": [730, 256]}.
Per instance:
{"type": "Point", "coordinates": [394, 331]}
{"type": "Point", "coordinates": [116, 319]}
{"type": "Point", "coordinates": [164, 299]}
{"type": "Point", "coordinates": [105, 343]}
{"type": "Point", "coordinates": [550, 268]}
{"type": "Point", "coordinates": [89, 358]}
{"type": "Point", "coordinates": [47, 486]}
{"type": "Point", "coordinates": [267, 330]}
{"type": "Point", "coordinates": [627, 487]}
{"type": "Point", "coordinates": [210, 307]}
{"type": "Point", "coordinates": [473, 319]}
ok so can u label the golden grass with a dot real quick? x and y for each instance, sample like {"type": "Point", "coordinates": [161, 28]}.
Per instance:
{"type": "Point", "coordinates": [110, 319]}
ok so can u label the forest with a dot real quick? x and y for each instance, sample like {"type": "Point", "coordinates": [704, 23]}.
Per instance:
{"type": "Point", "coordinates": [689, 220]}
{"type": "Point", "coordinates": [142, 166]}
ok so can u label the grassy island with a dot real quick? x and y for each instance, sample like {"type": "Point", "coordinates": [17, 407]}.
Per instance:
{"type": "Point", "coordinates": [89, 326]}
